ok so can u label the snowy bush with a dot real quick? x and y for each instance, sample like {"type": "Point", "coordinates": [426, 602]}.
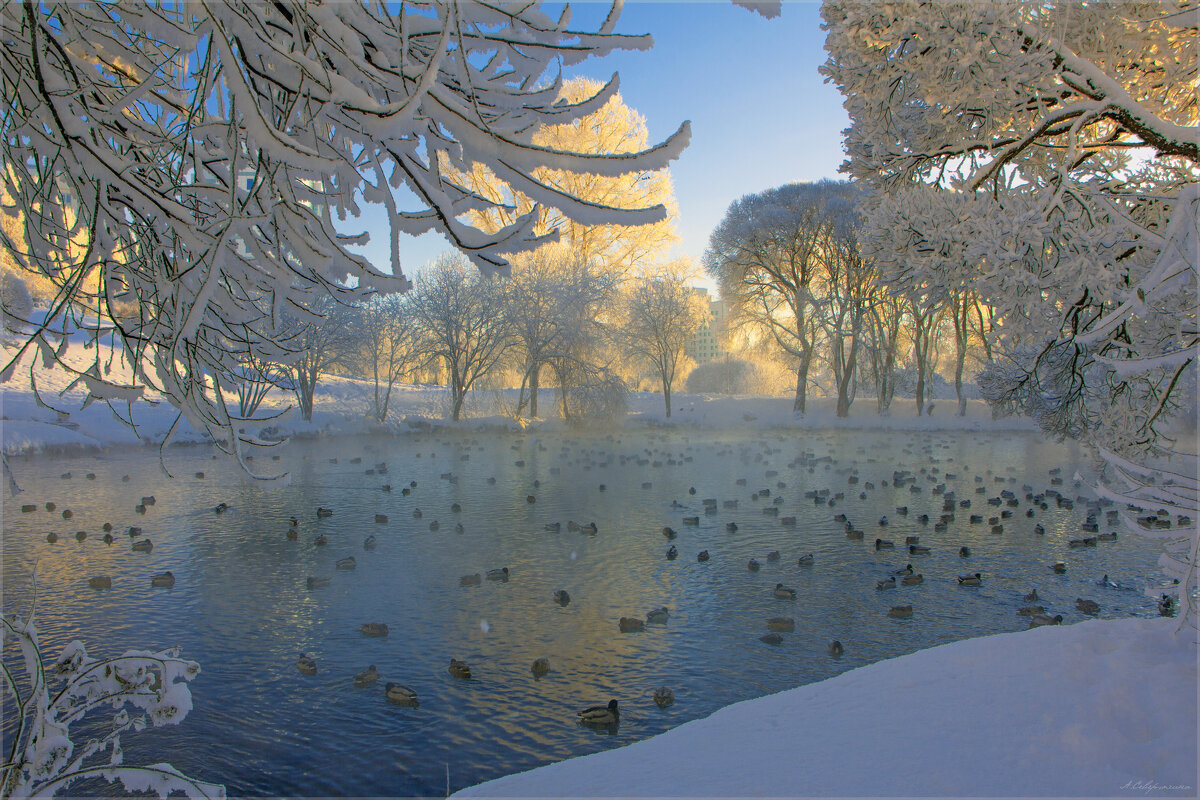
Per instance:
{"type": "Point", "coordinates": [729, 376]}
{"type": "Point", "coordinates": [46, 700]}
{"type": "Point", "coordinates": [602, 395]}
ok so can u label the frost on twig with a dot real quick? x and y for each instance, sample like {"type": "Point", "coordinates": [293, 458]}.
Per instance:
{"type": "Point", "coordinates": [44, 700]}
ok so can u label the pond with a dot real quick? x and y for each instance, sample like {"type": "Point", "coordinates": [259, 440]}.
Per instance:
{"type": "Point", "coordinates": [243, 608]}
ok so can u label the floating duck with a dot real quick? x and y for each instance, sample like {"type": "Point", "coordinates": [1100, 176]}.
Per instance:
{"type": "Point", "coordinates": [51, 537]}
{"type": "Point", "coordinates": [459, 669]}
{"type": "Point", "coordinates": [663, 696]}
{"type": "Point", "coordinates": [540, 667]}
{"type": "Point", "coordinates": [306, 664]}
{"type": "Point", "coordinates": [784, 592]}
{"type": "Point", "coordinates": [221, 508]}
{"type": "Point", "coordinates": [781, 624]}
{"type": "Point", "coordinates": [1087, 606]}
{"type": "Point", "coordinates": [886, 583]}
{"type": "Point", "coordinates": [1029, 611]}
{"type": "Point", "coordinates": [561, 597]}
{"type": "Point", "coordinates": [400, 694]}
{"type": "Point", "coordinates": [913, 580]}
{"type": "Point", "coordinates": [631, 625]}
{"type": "Point", "coordinates": [669, 532]}
{"type": "Point", "coordinates": [366, 677]}
{"type": "Point", "coordinates": [601, 715]}
{"type": "Point", "coordinates": [1059, 567]}
{"type": "Point", "coordinates": [964, 551]}
{"type": "Point", "coordinates": [374, 629]}
{"type": "Point", "coordinates": [1031, 597]}
{"type": "Point", "coordinates": [1166, 606]}
{"type": "Point", "coordinates": [164, 579]}
{"type": "Point", "coordinates": [500, 574]}
{"type": "Point", "coordinates": [316, 583]}
{"type": "Point", "coordinates": [900, 612]}
{"type": "Point", "coordinates": [369, 542]}
{"type": "Point", "coordinates": [907, 569]}
{"type": "Point", "coordinates": [292, 534]}
{"type": "Point", "coordinates": [589, 528]}
{"type": "Point", "coordinates": [672, 553]}
{"type": "Point", "coordinates": [917, 550]}
{"type": "Point", "coordinates": [658, 616]}
{"type": "Point", "coordinates": [771, 638]}
{"type": "Point", "coordinates": [143, 546]}
{"type": "Point", "coordinates": [970, 580]}
{"type": "Point", "coordinates": [882, 544]}
{"type": "Point", "coordinates": [346, 563]}
{"type": "Point", "coordinates": [1038, 620]}
{"type": "Point", "coordinates": [324, 512]}
{"type": "Point", "coordinates": [554, 526]}
{"type": "Point", "coordinates": [752, 565]}
{"type": "Point", "coordinates": [773, 555]}
{"type": "Point", "coordinates": [702, 555]}
{"type": "Point", "coordinates": [805, 560]}
{"type": "Point", "coordinates": [836, 649]}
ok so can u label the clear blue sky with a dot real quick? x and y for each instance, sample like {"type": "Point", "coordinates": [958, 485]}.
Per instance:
{"type": "Point", "coordinates": [761, 115]}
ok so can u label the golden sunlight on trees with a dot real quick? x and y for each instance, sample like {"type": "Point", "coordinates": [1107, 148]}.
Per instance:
{"type": "Point", "coordinates": [614, 128]}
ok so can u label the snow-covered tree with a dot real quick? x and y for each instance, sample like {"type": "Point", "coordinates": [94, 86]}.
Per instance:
{"type": "Point", "coordinates": [387, 347]}
{"type": "Point", "coordinates": [321, 341]}
{"type": "Point", "coordinates": [43, 701]}
{"type": "Point", "coordinates": [1063, 140]}
{"type": "Point", "coordinates": [661, 314]}
{"type": "Point", "coordinates": [177, 168]}
{"type": "Point", "coordinates": [462, 319]}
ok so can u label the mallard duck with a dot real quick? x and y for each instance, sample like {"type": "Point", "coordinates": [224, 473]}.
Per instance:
{"type": "Point", "coordinates": [1029, 611]}
{"type": "Point", "coordinates": [51, 537]}
{"type": "Point", "coordinates": [221, 508]}
{"type": "Point", "coordinates": [143, 546]}
{"type": "Point", "coordinates": [672, 553]}
{"type": "Point", "coordinates": [773, 555]}
{"type": "Point", "coordinates": [731, 527]}
{"type": "Point", "coordinates": [784, 592]}
{"type": "Point", "coordinates": [100, 582]}
{"type": "Point", "coordinates": [631, 625]}
{"type": "Point", "coordinates": [554, 526]}
{"type": "Point", "coordinates": [589, 528]}
{"type": "Point", "coordinates": [306, 664]}
{"type": "Point", "coordinates": [459, 669]}
{"type": "Point", "coordinates": [455, 508]}
{"type": "Point", "coordinates": [693, 521]}
{"type": "Point", "coordinates": [321, 540]}
{"type": "Point", "coordinates": [292, 534]}
{"type": "Point", "coordinates": [1038, 620]}
{"type": "Point", "coordinates": [702, 555]}
{"type": "Point", "coordinates": [374, 629]}
{"type": "Point", "coordinates": [964, 551]}
{"type": "Point", "coordinates": [293, 522]}
{"type": "Point", "coordinates": [366, 677]}
{"type": "Point", "coordinates": [752, 565]}
{"type": "Point", "coordinates": [470, 580]}
{"type": "Point", "coordinates": [1039, 530]}
{"type": "Point", "coordinates": [900, 612]}
{"type": "Point", "coordinates": [1032, 597]}
{"type": "Point", "coordinates": [781, 624]}
{"type": "Point", "coordinates": [346, 563]}
{"type": "Point", "coordinates": [805, 560]}
{"type": "Point", "coordinates": [907, 569]}
{"type": "Point", "coordinates": [1166, 606]}
{"type": "Point", "coordinates": [663, 696]}
{"type": "Point", "coordinates": [771, 638]}
{"type": "Point", "coordinates": [883, 544]}
{"type": "Point", "coordinates": [165, 579]}
{"type": "Point", "coordinates": [1059, 567]}
{"type": "Point", "coordinates": [417, 514]}
{"type": "Point", "coordinates": [561, 597]}
{"type": "Point", "coordinates": [540, 667]}
{"type": "Point", "coordinates": [886, 583]}
{"type": "Point", "coordinates": [836, 649]}
{"type": "Point", "coordinates": [658, 616]}
{"type": "Point", "coordinates": [369, 542]}
{"type": "Point", "coordinates": [107, 538]}
{"type": "Point", "coordinates": [913, 580]}
{"type": "Point", "coordinates": [324, 512]}
{"type": "Point", "coordinates": [970, 580]}
{"type": "Point", "coordinates": [917, 550]}
{"type": "Point", "coordinates": [572, 525]}
{"type": "Point", "coordinates": [316, 583]}
{"type": "Point", "coordinates": [669, 532]}
{"type": "Point", "coordinates": [400, 694]}
{"type": "Point", "coordinates": [500, 574]}
{"type": "Point", "coordinates": [1087, 606]}
{"type": "Point", "coordinates": [601, 715]}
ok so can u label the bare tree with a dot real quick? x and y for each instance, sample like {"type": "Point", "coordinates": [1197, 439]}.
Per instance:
{"type": "Point", "coordinates": [462, 318]}
{"type": "Point", "coordinates": [320, 343]}
{"type": "Point", "coordinates": [883, 341]}
{"type": "Point", "coordinates": [662, 312]}
{"type": "Point", "coordinates": [387, 345]}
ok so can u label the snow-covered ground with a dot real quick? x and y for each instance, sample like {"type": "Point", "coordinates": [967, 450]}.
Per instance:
{"type": "Point", "coordinates": [1099, 709]}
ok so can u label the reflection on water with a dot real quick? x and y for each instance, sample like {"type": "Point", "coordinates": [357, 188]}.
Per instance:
{"type": "Point", "coordinates": [241, 605]}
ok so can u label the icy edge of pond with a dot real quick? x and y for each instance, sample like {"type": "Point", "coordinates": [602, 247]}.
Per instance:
{"type": "Point", "coordinates": [1101, 708]}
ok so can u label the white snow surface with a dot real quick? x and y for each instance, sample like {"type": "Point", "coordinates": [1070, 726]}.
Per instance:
{"type": "Point", "coordinates": [1104, 708]}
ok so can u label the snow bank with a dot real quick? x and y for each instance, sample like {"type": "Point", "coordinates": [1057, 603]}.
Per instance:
{"type": "Point", "coordinates": [1102, 708]}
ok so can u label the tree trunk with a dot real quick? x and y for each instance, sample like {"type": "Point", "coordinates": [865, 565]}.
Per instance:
{"type": "Point", "coordinates": [801, 387]}
{"type": "Point", "coordinates": [961, 330]}
{"type": "Point", "coordinates": [920, 386]}
{"type": "Point", "coordinates": [667, 396]}
{"type": "Point", "coordinates": [534, 371]}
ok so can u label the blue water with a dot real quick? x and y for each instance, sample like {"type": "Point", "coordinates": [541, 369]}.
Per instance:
{"type": "Point", "coordinates": [242, 609]}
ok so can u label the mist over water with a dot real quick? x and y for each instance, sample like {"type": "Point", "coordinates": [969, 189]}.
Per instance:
{"type": "Point", "coordinates": [242, 609]}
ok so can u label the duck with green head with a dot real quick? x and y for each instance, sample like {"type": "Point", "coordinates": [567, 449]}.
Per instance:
{"type": "Point", "coordinates": [601, 715]}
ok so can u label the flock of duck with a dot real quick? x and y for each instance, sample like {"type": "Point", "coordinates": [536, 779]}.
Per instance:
{"type": "Point", "coordinates": [1001, 506]}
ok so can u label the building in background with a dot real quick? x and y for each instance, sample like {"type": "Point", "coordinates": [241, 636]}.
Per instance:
{"type": "Point", "coordinates": [706, 344]}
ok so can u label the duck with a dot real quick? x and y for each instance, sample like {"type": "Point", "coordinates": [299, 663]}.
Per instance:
{"type": "Point", "coordinates": [589, 528]}
{"type": "Point", "coordinates": [752, 565]}
{"type": "Point", "coordinates": [346, 563]}
{"type": "Point", "coordinates": [370, 542]}
{"type": "Point", "coordinates": [964, 551]}
{"type": "Point", "coordinates": [771, 638]}
{"type": "Point", "coordinates": [221, 508]}
{"type": "Point", "coordinates": [1038, 620]}
{"type": "Point", "coordinates": [1031, 597]}
{"type": "Point", "coordinates": [374, 628]}
{"type": "Point", "coordinates": [1090, 607]}
{"type": "Point", "coordinates": [975, 579]}
{"type": "Point", "coordinates": [553, 526]}
{"type": "Point", "coordinates": [324, 512]}
{"type": "Point", "coordinates": [366, 677]}
{"type": "Point", "coordinates": [773, 555]}
{"type": "Point", "coordinates": [540, 667]}
{"type": "Point", "coordinates": [784, 592]}
{"type": "Point", "coordinates": [292, 534]}
{"type": "Point", "coordinates": [805, 560]}
{"type": "Point", "coordinates": [663, 696]}
{"type": "Point", "coordinates": [381, 518]}
{"type": "Point", "coordinates": [306, 664]}
{"type": "Point", "coordinates": [881, 544]}
{"type": "Point", "coordinates": [293, 522]}
{"type": "Point", "coordinates": [631, 625]}
{"type": "Point", "coordinates": [702, 555]}
{"type": "Point", "coordinates": [913, 580]}
{"type": "Point", "coordinates": [900, 612]}
{"type": "Point", "coordinates": [669, 532]}
{"type": "Point", "coordinates": [836, 649]}
{"type": "Point", "coordinates": [731, 527]}
{"type": "Point", "coordinates": [316, 583]}
{"type": "Point", "coordinates": [459, 669]}
{"type": "Point", "coordinates": [1059, 567]}
{"type": "Point", "coordinates": [100, 582]}
{"type": "Point", "coordinates": [886, 583]}
{"type": "Point", "coordinates": [164, 579]}
{"type": "Point", "coordinates": [572, 525]}
{"type": "Point", "coordinates": [400, 694]}
{"type": "Point", "coordinates": [1166, 606]}
{"type": "Point", "coordinates": [672, 553]}
{"type": "Point", "coordinates": [1029, 611]}
{"type": "Point", "coordinates": [321, 540]}
{"type": "Point", "coordinates": [143, 546]}
{"type": "Point", "coordinates": [470, 580]}
{"type": "Point", "coordinates": [107, 538]}
{"type": "Point", "coordinates": [561, 597]}
{"type": "Point", "coordinates": [781, 624]}
{"type": "Point", "coordinates": [917, 550]}
{"type": "Point", "coordinates": [601, 715]}
{"type": "Point", "coordinates": [500, 574]}
{"type": "Point", "coordinates": [51, 537]}
{"type": "Point", "coordinates": [907, 569]}
{"type": "Point", "coordinates": [658, 616]}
